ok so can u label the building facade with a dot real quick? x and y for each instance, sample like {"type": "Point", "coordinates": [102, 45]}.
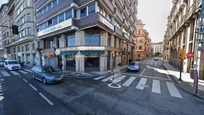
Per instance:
{"type": "Point", "coordinates": [158, 47]}
{"type": "Point", "coordinates": [143, 42]}
{"type": "Point", "coordinates": [82, 33]}
{"type": "Point", "coordinates": [2, 50]}
{"type": "Point", "coordinates": [183, 25]}
{"type": "Point", "coordinates": [19, 47]}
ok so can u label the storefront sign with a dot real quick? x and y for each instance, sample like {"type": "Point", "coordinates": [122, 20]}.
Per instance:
{"type": "Point", "coordinates": [106, 22]}
{"type": "Point", "coordinates": [19, 54]}
{"type": "Point", "coordinates": [56, 27]}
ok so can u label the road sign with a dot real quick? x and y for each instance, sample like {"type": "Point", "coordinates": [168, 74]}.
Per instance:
{"type": "Point", "coordinates": [5, 56]}
{"type": "Point", "coordinates": [57, 52]}
{"type": "Point", "coordinates": [190, 54]}
{"type": "Point", "coordinates": [182, 54]}
{"type": "Point", "coordinates": [163, 55]}
{"type": "Point", "coordinates": [48, 54]}
{"type": "Point", "coordinates": [51, 55]}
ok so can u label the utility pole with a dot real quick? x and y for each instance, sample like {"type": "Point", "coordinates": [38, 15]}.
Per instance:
{"type": "Point", "coordinates": [182, 57]}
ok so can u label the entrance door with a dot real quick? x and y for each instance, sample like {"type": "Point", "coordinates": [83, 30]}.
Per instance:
{"type": "Point", "coordinates": [59, 59]}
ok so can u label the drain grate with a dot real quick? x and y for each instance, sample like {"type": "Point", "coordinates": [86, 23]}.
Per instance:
{"type": "Point", "coordinates": [72, 93]}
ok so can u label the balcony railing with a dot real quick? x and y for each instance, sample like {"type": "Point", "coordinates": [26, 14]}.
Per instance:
{"type": "Point", "coordinates": [126, 24]}
{"type": "Point", "coordinates": [198, 2]}
{"type": "Point", "coordinates": [128, 13]}
{"type": "Point", "coordinates": [121, 3]}
{"type": "Point", "coordinates": [118, 31]}
{"type": "Point", "coordinates": [118, 15]}
{"type": "Point", "coordinates": [190, 11]}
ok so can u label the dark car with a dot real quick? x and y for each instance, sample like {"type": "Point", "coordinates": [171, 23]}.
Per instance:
{"type": "Point", "coordinates": [156, 59]}
{"type": "Point", "coordinates": [134, 66]}
{"type": "Point", "coordinates": [46, 74]}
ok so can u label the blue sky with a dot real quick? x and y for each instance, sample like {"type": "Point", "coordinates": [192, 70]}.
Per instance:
{"type": "Point", "coordinates": [3, 1]}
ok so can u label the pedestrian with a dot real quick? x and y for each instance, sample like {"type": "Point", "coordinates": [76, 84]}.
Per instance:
{"type": "Point", "coordinates": [130, 60]}
{"type": "Point", "coordinates": [60, 66]}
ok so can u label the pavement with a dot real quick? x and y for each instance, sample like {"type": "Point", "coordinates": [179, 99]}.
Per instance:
{"type": "Point", "coordinates": [187, 82]}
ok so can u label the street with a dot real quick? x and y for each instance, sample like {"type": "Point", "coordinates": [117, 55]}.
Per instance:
{"type": "Point", "coordinates": [148, 92]}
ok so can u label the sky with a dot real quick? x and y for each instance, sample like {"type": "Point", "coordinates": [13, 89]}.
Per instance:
{"type": "Point", "coordinates": [154, 14]}
{"type": "Point", "coordinates": [3, 2]}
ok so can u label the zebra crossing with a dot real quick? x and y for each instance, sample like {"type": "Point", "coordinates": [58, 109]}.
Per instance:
{"type": "Point", "coordinates": [150, 63]}
{"type": "Point", "coordinates": [7, 73]}
{"type": "Point", "coordinates": [127, 81]}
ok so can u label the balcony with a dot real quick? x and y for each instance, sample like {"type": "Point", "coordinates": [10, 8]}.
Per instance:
{"type": "Point", "coordinates": [15, 42]}
{"type": "Point", "coordinates": [126, 24]}
{"type": "Point", "coordinates": [190, 11]}
{"type": "Point", "coordinates": [126, 36]}
{"type": "Point", "coordinates": [127, 2]}
{"type": "Point", "coordinates": [120, 4]}
{"type": "Point", "coordinates": [108, 4]}
{"type": "Point", "coordinates": [132, 20]}
{"type": "Point", "coordinates": [198, 3]}
{"type": "Point", "coordinates": [119, 16]}
{"type": "Point", "coordinates": [126, 12]}
{"type": "Point", "coordinates": [132, 10]}
{"type": "Point", "coordinates": [118, 32]}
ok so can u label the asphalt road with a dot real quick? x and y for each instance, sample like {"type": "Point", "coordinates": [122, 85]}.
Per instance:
{"type": "Point", "coordinates": [148, 92]}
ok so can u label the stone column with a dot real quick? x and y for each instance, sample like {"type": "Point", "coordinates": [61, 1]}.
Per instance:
{"type": "Point", "coordinates": [63, 42]}
{"type": "Point", "coordinates": [103, 62]}
{"type": "Point", "coordinates": [38, 58]}
{"type": "Point", "coordinates": [103, 38]}
{"type": "Point", "coordinates": [79, 62]}
{"type": "Point", "coordinates": [31, 55]}
{"type": "Point", "coordinates": [63, 62]}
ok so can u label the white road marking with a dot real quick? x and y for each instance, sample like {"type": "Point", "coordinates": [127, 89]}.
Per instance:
{"type": "Point", "coordinates": [14, 73]}
{"type": "Point", "coordinates": [23, 72]}
{"type": "Point", "coordinates": [156, 86]}
{"type": "Point", "coordinates": [151, 63]}
{"type": "Point", "coordinates": [147, 63]}
{"type": "Point", "coordinates": [19, 76]}
{"type": "Point", "coordinates": [119, 79]}
{"type": "Point", "coordinates": [28, 70]}
{"type": "Point", "coordinates": [25, 80]}
{"type": "Point", "coordinates": [159, 64]}
{"type": "Point", "coordinates": [155, 63]}
{"type": "Point", "coordinates": [108, 78]}
{"type": "Point", "coordinates": [143, 71]}
{"type": "Point", "coordinates": [5, 74]}
{"type": "Point", "coordinates": [46, 99]}
{"type": "Point", "coordinates": [33, 87]}
{"type": "Point", "coordinates": [129, 81]}
{"type": "Point", "coordinates": [172, 90]}
{"type": "Point", "coordinates": [97, 78]}
{"type": "Point", "coordinates": [141, 83]}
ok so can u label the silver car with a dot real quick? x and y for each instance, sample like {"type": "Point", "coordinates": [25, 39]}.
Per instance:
{"type": "Point", "coordinates": [134, 66]}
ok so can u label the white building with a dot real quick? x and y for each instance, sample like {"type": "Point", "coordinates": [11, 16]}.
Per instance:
{"type": "Point", "coordinates": [158, 47]}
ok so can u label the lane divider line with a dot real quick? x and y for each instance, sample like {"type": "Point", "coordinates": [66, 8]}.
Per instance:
{"type": "Point", "coordinates": [25, 80]}
{"type": "Point", "coordinates": [46, 99]}
{"type": "Point", "coordinates": [33, 87]}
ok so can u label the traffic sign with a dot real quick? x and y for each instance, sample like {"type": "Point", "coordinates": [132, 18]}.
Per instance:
{"type": "Point", "coordinates": [51, 55]}
{"type": "Point", "coordinates": [163, 55]}
{"type": "Point", "coordinates": [182, 54]}
{"type": "Point", "coordinates": [190, 54]}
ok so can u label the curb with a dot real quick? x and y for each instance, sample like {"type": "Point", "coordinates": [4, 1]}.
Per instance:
{"type": "Point", "coordinates": [180, 85]}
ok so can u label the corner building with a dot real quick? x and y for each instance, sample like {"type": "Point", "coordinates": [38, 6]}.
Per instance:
{"type": "Point", "coordinates": [82, 33]}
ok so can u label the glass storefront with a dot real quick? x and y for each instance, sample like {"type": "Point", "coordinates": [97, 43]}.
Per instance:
{"type": "Point", "coordinates": [91, 63]}
{"type": "Point", "coordinates": [70, 62]}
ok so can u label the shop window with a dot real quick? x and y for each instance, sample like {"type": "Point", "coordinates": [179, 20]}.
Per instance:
{"type": "Point", "coordinates": [92, 38]}
{"type": "Point", "coordinates": [68, 14]}
{"type": "Point", "coordinates": [91, 9]}
{"type": "Point", "coordinates": [92, 61]}
{"type": "Point", "coordinates": [61, 18]}
{"type": "Point", "coordinates": [28, 58]}
{"type": "Point", "coordinates": [70, 61]}
{"type": "Point", "coordinates": [83, 12]}
{"type": "Point", "coordinates": [71, 39]}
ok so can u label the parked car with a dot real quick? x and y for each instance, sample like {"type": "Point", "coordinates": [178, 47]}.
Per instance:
{"type": "Point", "coordinates": [2, 63]}
{"type": "Point", "coordinates": [12, 65]}
{"type": "Point", "coordinates": [46, 74]}
{"type": "Point", "coordinates": [134, 66]}
{"type": "Point", "coordinates": [156, 59]}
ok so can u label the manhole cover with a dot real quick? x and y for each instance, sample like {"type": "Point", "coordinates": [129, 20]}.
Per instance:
{"type": "Point", "coordinates": [72, 93]}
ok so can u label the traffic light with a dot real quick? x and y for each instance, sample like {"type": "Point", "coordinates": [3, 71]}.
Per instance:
{"type": "Point", "coordinates": [15, 29]}
{"type": "Point", "coordinates": [182, 55]}
{"type": "Point", "coordinates": [113, 53]}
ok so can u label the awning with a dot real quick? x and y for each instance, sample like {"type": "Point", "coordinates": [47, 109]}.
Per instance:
{"type": "Point", "coordinates": [92, 52]}
{"type": "Point", "coordinates": [69, 53]}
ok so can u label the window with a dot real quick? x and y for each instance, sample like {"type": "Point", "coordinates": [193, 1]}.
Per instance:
{"type": "Point", "coordinates": [29, 17]}
{"type": "Point", "coordinates": [18, 49]}
{"type": "Point", "coordinates": [83, 12]}
{"type": "Point", "coordinates": [100, 9]}
{"type": "Point", "coordinates": [59, 43]}
{"type": "Point", "coordinates": [29, 31]}
{"type": "Point", "coordinates": [59, 1]}
{"type": "Point", "coordinates": [33, 46]}
{"type": "Point", "coordinates": [49, 6]}
{"type": "Point", "coordinates": [116, 24]}
{"type": "Point", "coordinates": [23, 33]}
{"type": "Point", "coordinates": [54, 3]}
{"type": "Point", "coordinates": [7, 18]}
{"type": "Point", "coordinates": [92, 38]}
{"type": "Point", "coordinates": [45, 10]}
{"type": "Point", "coordinates": [49, 23]}
{"type": "Point", "coordinates": [40, 12]}
{"type": "Point", "coordinates": [71, 39]}
{"type": "Point", "coordinates": [49, 44]}
{"type": "Point", "coordinates": [28, 58]}
{"type": "Point", "coordinates": [68, 14]}
{"type": "Point", "coordinates": [28, 3]}
{"type": "Point", "coordinates": [91, 9]}
{"type": "Point", "coordinates": [55, 21]}
{"type": "Point", "coordinates": [141, 40]}
{"type": "Point", "coordinates": [109, 40]}
{"type": "Point", "coordinates": [109, 18]}
{"type": "Point", "coordinates": [61, 18]}
{"type": "Point", "coordinates": [41, 27]}
{"type": "Point", "coordinates": [21, 7]}
{"type": "Point", "coordinates": [74, 13]}
{"type": "Point", "coordinates": [45, 25]}
{"type": "Point", "coordinates": [27, 47]}
{"type": "Point", "coordinates": [140, 47]}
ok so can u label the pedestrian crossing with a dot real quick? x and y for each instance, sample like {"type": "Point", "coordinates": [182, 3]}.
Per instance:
{"type": "Point", "coordinates": [141, 84]}
{"type": "Point", "coordinates": [150, 63]}
{"type": "Point", "coordinates": [9, 73]}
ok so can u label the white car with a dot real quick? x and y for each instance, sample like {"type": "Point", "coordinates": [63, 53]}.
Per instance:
{"type": "Point", "coordinates": [11, 65]}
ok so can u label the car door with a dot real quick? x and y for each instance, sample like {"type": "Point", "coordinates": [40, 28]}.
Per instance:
{"type": "Point", "coordinates": [40, 75]}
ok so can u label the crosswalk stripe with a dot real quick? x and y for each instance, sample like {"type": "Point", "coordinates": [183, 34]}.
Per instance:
{"type": "Point", "coordinates": [97, 78]}
{"type": "Point", "coordinates": [129, 81]}
{"type": "Point", "coordinates": [108, 78]}
{"type": "Point", "coordinates": [151, 63]}
{"type": "Point", "coordinates": [5, 74]}
{"type": "Point", "coordinates": [23, 72]}
{"type": "Point", "coordinates": [155, 63]}
{"type": "Point", "coordinates": [156, 86]}
{"type": "Point", "coordinates": [141, 83]}
{"type": "Point", "coordinates": [147, 63]}
{"type": "Point", "coordinates": [172, 90]}
{"type": "Point", "coordinates": [119, 79]}
{"type": "Point", "coordinates": [14, 73]}
{"type": "Point", "coordinates": [27, 70]}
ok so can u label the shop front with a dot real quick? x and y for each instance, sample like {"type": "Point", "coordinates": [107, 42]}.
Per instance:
{"type": "Point", "coordinates": [70, 60]}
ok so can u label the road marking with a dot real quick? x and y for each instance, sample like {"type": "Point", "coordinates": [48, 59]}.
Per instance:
{"type": "Point", "coordinates": [14, 73]}
{"type": "Point", "coordinates": [5, 74]}
{"type": "Point", "coordinates": [97, 78]}
{"type": "Point", "coordinates": [147, 63]}
{"type": "Point", "coordinates": [151, 63]}
{"type": "Point", "coordinates": [23, 72]}
{"type": "Point", "coordinates": [46, 99]}
{"type": "Point", "coordinates": [159, 64]}
{"type": "Point", "coordinates": [156, 86]}
{"type": "Point", "coordinates": [28, 70]}
{"type": "Point", "coordinates": [155, 63]}
{"type": "Point", "coordinates": [33, 87]}
{"type": "Point", "coordinates": [119, 79]}
{"type": "Point", "coordinates": [25, 80]}
{"type": "Point", "coordinates": [108, 78]}
{"type": "Point", "coordinates": [129, 81]}
{"type": "Point", "coordinates": [143, 71]}
{"type": "Point", "coordinates": [141, 83]}
{"type": "Point", "coordinates": [172, 90]}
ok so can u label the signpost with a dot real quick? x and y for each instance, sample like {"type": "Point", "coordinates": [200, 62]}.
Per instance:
{"type": "Point", "coordinates": [112, 56]}
{"type": "Point", "coordinates": [182, 57]}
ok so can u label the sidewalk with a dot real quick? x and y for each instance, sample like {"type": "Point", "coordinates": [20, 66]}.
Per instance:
{"type": "Point", "coordinates": [187, 83]}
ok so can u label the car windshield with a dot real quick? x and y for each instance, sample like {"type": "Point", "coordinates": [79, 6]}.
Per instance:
{"type": "Point", "coordinates": [12, 62]}
{"type": "Point", "coordinates": [49, 69]}
{"type": "Point", "coordinates": [134, 64]}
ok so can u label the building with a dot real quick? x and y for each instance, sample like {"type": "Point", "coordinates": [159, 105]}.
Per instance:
{"type": "Point", "coordinates": [150, 49]}
{"type": "Point", "coordinates": [2, 50]}
{"type": "Point", "coordinates": [143, 41]}
{"type": "Point", "coordinates": [82, 33]}
{"type": "Point", "coordinates": [19, 47]}
{"type": "Point", "coordinates": [158, 47]}
{"type": "Point", "coordinates": [183, 25]}
{"type": "Point", "coordinates": [166, 42]}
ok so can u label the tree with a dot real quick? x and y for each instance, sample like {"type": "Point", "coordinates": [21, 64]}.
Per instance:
{"type": "Point", "coordinates": [157, 54]}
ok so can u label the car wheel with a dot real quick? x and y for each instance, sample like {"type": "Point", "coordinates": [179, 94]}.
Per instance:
{"type": "Point", "coordinates": [44, 81]}
{"type": "Point", "coordinates": [33, 76]}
